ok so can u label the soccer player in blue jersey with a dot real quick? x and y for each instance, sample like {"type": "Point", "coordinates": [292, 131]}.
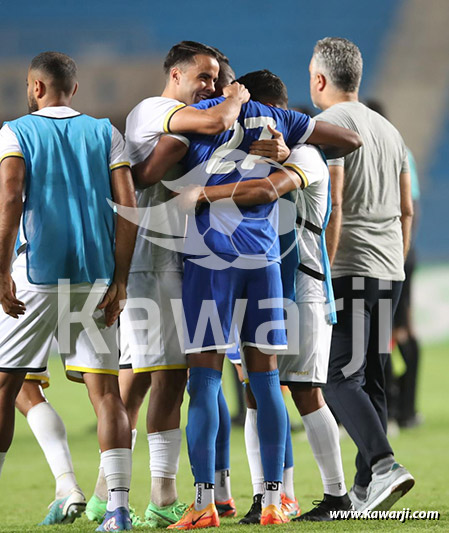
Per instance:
{"type": "Point", "coordinates": [152, 355]}
{"type": "Point", "coordinates": [247, 270]}
{"type": "Point", "coordinates": [66, 166]}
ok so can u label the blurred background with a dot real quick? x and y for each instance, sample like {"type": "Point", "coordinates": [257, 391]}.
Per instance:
{"type": "Point", "coordinates": [119, 47]}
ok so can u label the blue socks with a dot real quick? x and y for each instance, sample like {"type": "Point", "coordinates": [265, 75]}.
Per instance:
{"type": "Point", "coordinates": [271, 422]}
{"type": "Point", "coordinates": [224, 434]}
{"type": "Point", "coordinates": [203, 420]}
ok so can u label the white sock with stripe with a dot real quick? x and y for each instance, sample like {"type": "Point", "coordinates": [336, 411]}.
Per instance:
{"type": "Point", "coordinates": [117, 465]}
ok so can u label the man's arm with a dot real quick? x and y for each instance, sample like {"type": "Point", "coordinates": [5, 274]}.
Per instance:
{"type": "Point", "coordinates": [12, 179]}
{"type": "Point", "coordinates": [333, 230]}
{"type": "Point", "coordinates": [406, 209]}
{"type": "Point", "coordinates": [213, 120]}
{"type": "Point", "coordinates": [252, 192]}
{"type": "Point", "coordinates": [125, 238]}
{"type": "Point", "coordinates": [334, 140]}
{"type": "Point", "coordinates": [165, 155]}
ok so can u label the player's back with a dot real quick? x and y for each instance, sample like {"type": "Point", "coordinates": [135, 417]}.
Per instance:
{"type": "Point", "coordinates": [221, 159]}
{"type": "Point", "coordinates": [371, 239]}
{"type": "Point", "coordinates": [66, 214]}
{"type": "Point", "coordinates": [251, 125]}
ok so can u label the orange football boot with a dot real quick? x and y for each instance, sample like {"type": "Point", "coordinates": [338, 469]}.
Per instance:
{"type": "Point", "coordinates": [290, 507]}
{"type": "Point", "coordinates": [226, 509]}
{"type": "Point", "coordinates": [273, 515]}
{"type": "Point", "coordinates": [193, 519]}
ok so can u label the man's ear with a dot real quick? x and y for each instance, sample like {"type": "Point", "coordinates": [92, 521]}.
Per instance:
{"type": "Point", "coordinates": [75, 89]}
{"type": "Point", "coordinates": [175, 75]}
{"type": "Point", "coordinates": [39, 89]}
{"type": "Point", "coordinates": [321, 82]}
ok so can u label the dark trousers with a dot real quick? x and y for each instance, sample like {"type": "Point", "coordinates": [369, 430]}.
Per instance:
{"type": "Point", "coordinates": [360, 348]}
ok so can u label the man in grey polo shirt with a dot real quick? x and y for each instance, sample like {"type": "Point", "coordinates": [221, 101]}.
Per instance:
{"type": "Point", "coordinates": [367, 238]}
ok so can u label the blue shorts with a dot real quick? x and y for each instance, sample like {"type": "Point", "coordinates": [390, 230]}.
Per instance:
{"type": "Point", "coordinates": [218, 303]}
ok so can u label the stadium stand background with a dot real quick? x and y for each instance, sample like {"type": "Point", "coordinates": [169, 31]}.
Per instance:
{"type": "Point", "coordinates": [119, 48]}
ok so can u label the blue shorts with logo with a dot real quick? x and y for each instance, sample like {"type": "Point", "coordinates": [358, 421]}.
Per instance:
{"type": "Point", "coordinates": [215, 300]}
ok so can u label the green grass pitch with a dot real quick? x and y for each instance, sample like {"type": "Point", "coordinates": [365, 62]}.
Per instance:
{"type": "Point", "coordinates": [26, 485]}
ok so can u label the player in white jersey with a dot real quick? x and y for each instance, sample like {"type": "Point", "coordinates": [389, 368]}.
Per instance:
{"type": "Point", "coordinates": [49, 430]}
{"type": "Point", "coordinates": [152, 355]}
{"type": "Point", "coordinates": [70, 274]}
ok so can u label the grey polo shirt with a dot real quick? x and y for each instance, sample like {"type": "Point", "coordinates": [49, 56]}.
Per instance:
{"type": "Point", "coordinates": [371, 239]}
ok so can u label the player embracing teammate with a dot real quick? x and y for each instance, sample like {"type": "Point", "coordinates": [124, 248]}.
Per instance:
{"type": "Point", "coordinates": [243, 271]}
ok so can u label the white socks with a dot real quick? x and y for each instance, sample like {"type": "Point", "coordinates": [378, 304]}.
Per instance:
{"type": "Point", "coordinates": [272, 493]}
{"type": "Point", "coordinates": [322, 433]}
{"type": "Point", "coordinates": [204, 495]}
{"type": "Point", "coordinates": [288, 483]}
{"type": "Point", "coordinates": [49, 430]}
{"type": "Point", "coordinates": [2, 460]}
{"type": "Point", "coordinates": [165, 448]}
{"type": "Point", "coordinates": [117, 464]}
{"type": "Point", "coordinates": [101, 489]}
{"type": "Point", "coordinates": [222, 485]}
{"type": "Point", "coordinates": [253, 451]}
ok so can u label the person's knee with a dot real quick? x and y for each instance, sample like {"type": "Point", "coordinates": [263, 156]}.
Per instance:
{"type": "Point", "coordinates": [169, 386]}
{"type": "Point", "coordinates": [103, 391]}
{"type": "Point", "coordinates": [256, 361]}
{"type": "Point", "coordinates": [10, 385]}
{"type": "Point", "coordinates": [29, 395]}
{"type": "Point", "coordinates": [307, 399]}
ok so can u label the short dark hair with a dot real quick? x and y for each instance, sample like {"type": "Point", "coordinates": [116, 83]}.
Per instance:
{"type": "Point", "coordinates": [265, 87]}
{"type": "Point", "coordinates": [59, 67]}
{"type": "Point", "coordinates": [226, 75]}
{"type": "Point", "coordinates": [341, 60]}
{"type": "Point", "coordinates": [185, 51]}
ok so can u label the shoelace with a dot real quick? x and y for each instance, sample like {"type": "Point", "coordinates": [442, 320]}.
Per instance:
{"type": "Point", "coordinates": [180, 509]}
{"type": "Point", "coordinates": [135, 518]}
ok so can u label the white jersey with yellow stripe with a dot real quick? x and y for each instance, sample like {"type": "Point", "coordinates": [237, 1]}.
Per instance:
{"type": "Point", "coordinates": [144, 126]}
{"type": "Point", "coordinates": [312, 206]}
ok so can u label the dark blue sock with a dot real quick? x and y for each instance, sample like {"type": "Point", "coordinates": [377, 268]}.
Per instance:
{"type": "Point", "coordinates": [288, 461]}
{"type": "Point", "coordinates": [202, 428]}
{"type": "Point", "coordinates": [224, 434]}
{"type": "Point", "coordinates": [271, 422]}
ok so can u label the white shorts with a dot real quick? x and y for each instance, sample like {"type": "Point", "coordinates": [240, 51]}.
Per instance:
{"type": "Point", "coordinates": [43, 378]}
{"type": "Point", "coordinates": [150, 335]}
{"type": "Point", "coordinates": [307, 357]}
{"type": "Point", "coordinates": [25, 342]}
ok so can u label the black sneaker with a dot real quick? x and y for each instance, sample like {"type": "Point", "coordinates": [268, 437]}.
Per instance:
{"type": "Point", "coordinates": [254, 514]}
{"type": "Point", "coordinates": [322, 510]}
